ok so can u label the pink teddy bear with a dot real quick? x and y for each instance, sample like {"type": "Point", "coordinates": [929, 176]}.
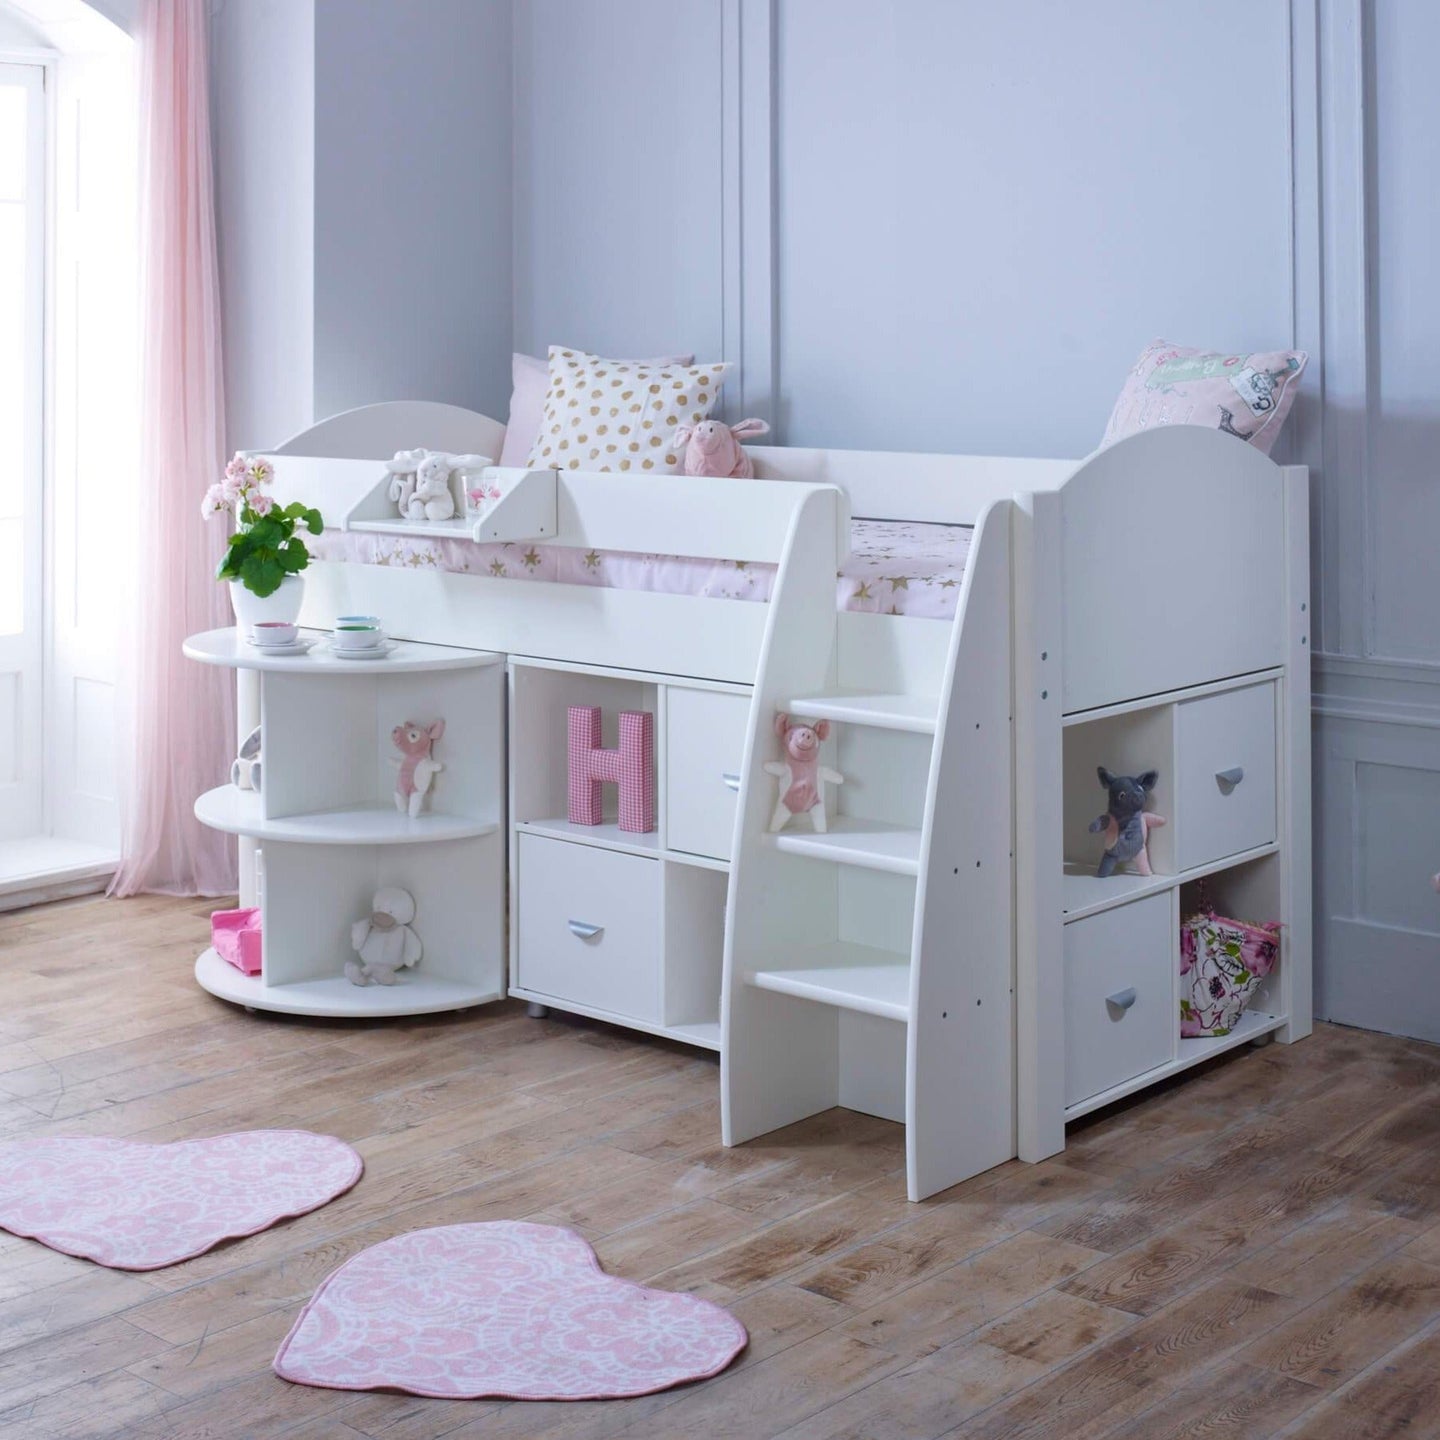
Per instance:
{"type": "Point", "coordinates": [713, 448]}
{"type": "Point", "coordinates": [418, 768]}
{"type": "Point", "coordinates": [802, 776]}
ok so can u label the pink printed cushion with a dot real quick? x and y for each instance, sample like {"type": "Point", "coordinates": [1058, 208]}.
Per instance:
{"type": "Point", "coordinates": [135, 1206]}
{"type": "Point", "coordinates": [531, 378]}
{"type": "Point", "coordinates": [506, 1309]}
{"type": "Point", "coordinates": [1245, 395]}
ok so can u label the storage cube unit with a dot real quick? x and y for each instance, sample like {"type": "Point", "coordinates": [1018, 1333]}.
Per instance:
{"type": "Point", "coordinates": [612, 923]}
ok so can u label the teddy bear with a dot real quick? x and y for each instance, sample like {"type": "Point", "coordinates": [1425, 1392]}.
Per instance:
{"type": "Point", "coordinates": [432, 498]}
{"type": "Point", "coordinates": [384, 940]}
{"type": "Point", "coordinates": [418, 767]}
{"type": "Point", "coordinates": [245, 769]}
{"type": "Point", "coordinates": [714, 448]}
{"type": "Point", "coordinates": [802, 777]}
{"type": "Point", "coordinates": [1126, 824]}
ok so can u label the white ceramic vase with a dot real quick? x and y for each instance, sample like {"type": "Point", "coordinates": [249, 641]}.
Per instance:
{"type": "Point", "coordinates": [281, 604]}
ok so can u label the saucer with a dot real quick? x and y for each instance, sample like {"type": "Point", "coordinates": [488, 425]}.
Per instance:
{"type": "Point", "coordinates": [295, 647]}
{"type": "Point", "coordinates": [370, 652]}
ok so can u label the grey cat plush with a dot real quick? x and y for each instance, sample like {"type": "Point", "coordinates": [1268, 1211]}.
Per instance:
{"type": "Point", "coordinates": [1127, 824]}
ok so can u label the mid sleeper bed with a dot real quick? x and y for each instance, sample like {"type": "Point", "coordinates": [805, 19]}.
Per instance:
{"type": "Point", "coordinates": [981, 633]}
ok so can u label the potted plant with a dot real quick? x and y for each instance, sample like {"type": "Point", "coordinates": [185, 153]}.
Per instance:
{"type": "Point", "coordinates": [265, 556]}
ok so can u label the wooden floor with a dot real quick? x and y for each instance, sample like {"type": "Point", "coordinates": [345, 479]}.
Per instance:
{"type": "Point", "coordinates": [1252, 1251]}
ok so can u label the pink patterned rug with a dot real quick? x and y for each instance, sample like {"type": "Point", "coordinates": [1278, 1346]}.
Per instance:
{"type": "Point", "coordinates": [506, 1309]}
{"type": "Point", "coordinates": [134, 1206]}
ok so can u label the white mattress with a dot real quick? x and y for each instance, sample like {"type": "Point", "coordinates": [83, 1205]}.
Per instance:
{"type": "Point", "coordinates": [895, 567]}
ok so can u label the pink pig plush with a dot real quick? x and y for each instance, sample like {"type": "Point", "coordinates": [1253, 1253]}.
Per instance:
{"type": "Point", "coordinates": [713, 448]}
{"type": "Point", "coordinates": [417, 768]}
{"type": "Point", "coordinates": [802, 776]}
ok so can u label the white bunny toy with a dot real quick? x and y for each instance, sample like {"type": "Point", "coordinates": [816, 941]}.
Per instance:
{"type": "Point", "coordinates": [402, 477]}
{"type": "Point", "coordinates": [433, 498]}
{"type": "Point", "coordinates": [384, 940]}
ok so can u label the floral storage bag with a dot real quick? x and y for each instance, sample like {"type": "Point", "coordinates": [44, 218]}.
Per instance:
{"type": "Point", "coordinates": [1222, 963]}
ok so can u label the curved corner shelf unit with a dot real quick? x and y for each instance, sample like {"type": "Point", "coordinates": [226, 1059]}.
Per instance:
{"type": "Point", "coordinates": [324, 833]}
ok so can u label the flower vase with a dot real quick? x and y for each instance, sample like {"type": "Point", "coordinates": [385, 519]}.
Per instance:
{"type": "Point", "coordinates": [281, 604]}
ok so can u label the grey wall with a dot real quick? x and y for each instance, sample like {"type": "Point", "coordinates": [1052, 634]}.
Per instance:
{"type": "Point", "coordinates": [364, 202]}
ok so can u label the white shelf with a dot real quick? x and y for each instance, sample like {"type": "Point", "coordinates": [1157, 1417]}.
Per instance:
{"type": "Point", "coordinates": [1084, 893]}
{"type": "Point", "coordinates": [917, 714]}
{"type": "Point", "coordinates": [1253, 1024]}
{"type": "Point", "coordinates": [852, 977]}
{"type": "Point", "coordinates": [870, 844]}
{"type": "Point", "coordinates": [705, 1033]}
{"type": "Point", "coordinates": [225, 647]}
{"type": "Point", "coordinates": [414, 993]}
{"type": "Point", "coordinates": [238, 813]}
{"type": "Point", "coordinates": [608, 836]}
{"type": "Point", "coordinates": [462, 527]}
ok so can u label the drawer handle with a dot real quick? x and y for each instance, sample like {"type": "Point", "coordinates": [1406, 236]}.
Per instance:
{"type": "Point", "coordinates": [732, 782]}
{"type": "Point", "coordinates": [1229, 779]}
{"type": "Point", "coordinates": [1122, 1000]}
{"type": "Point", "coordinates": [582, 931]}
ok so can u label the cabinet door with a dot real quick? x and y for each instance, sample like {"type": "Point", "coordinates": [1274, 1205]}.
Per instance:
{"type": "Point", "coordinates": [1226, 790]}
{"type": "Point", "coordinates": [589, 926]}
{"type": "Point", "coordinates": [1121, 1012]}
{"type": "Point", "coordinates": [704, 743]}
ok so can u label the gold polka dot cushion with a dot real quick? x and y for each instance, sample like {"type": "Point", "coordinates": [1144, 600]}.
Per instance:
{"type": "Point", "coordinates": [620, 415]}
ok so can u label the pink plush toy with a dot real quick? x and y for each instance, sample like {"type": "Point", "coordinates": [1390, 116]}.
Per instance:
{"type": "Point", "coordinates": [713, 448]}
{"type": "Point", "coordinates": [802, 776]}
{"type": "Point", "coordinates": [418, 768]}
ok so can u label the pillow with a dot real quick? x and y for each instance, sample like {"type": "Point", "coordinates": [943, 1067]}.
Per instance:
{"type": "Point", "coordinates": [620, 414]}
{"type": "Point", "coordinates": [531, 378]}
{"type": "Point", "coordinates": [1246, 395]}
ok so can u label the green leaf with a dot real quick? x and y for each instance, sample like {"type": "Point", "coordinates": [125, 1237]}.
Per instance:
{"type": "Point", "coordinates": [294, 557]}
{"type": "Point", "coordinates": [263, 573]}
{"type": "Point", "coordinates": [314, 522]}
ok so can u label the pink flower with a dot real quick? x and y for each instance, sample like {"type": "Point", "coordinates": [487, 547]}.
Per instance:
{"type": "Point", "coordinates": [235, 470]}
{"type": "Point", "coordinates": [260, 504]}
{"type": "Point", "coordinates": [214, 502]}
{"type": "Point", "coordinates": [232, 488]}
{"type": "Point", "coordinates": [262, 472]}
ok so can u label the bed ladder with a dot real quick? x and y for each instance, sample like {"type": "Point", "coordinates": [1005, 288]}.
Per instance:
{"type": "Point", "coordinates": [871, 966]}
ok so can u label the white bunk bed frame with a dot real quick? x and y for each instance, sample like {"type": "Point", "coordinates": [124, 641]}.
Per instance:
{"type": "Point", "coordinates": [1174, 561]}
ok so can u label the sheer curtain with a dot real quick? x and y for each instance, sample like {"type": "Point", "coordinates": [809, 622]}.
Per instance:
{"type": "Point", "coordinates": [183, 714]}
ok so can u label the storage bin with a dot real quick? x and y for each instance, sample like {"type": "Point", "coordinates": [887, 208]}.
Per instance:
{"type": "Point", "coordinates": [1222, 963]}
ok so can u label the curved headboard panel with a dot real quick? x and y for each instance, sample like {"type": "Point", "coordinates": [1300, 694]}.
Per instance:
{"type": "Point", "coordinates": [376, 432]}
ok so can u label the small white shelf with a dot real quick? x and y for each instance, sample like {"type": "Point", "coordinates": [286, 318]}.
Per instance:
{"type": "Point", "coordinates": [608, 836]}
{"type": "Point", "coordinates": [852, 977]}
{"type": "Point", "coordinates": [225, 647]}
{"type": "Point", "coordinates": [237, 812]}
{"type": "Point", "coordinates": [1084, 893]}
{"type": "Point", "coordinates": [870, 844]}
{"type": "Point", "coordinates": [462, 527]}
{"type": "Point", "coordinates": [704, 1033]}
{"type": "Point", "coordinates": [917, 714]}
{"type": "Point", "coordinates": [527, 509]}
{"type": "Point", "coordinates": [1253, 1024]}
{"type": "Point", "coordinates": [414, 993]}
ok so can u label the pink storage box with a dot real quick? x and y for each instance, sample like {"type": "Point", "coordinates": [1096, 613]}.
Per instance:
{"type": "Point", "coordinates": [235, 934]}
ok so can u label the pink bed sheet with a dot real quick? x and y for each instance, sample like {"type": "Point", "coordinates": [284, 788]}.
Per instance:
{"type": "Point", "coordinates": [895, 567]}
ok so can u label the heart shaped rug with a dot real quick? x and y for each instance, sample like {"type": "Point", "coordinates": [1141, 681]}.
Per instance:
{"type": "Point", "coordinates": [505, 1309]}
{"type": "Point", "coordinates": [135, 1206]}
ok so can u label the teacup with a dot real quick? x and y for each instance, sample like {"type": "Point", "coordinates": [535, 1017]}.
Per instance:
{"type": "Point", "coordinates": [271, 633]}
{"type": "Point", "coordinates": [357, 635]}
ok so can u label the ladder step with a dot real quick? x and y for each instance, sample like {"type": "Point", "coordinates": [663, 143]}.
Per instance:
{"type": "Point", "coordinates": [850, 977]}
{"type": "Point", "coordinates": [915, 713]}
{"type": "Point", "coordinates": [870, 844]}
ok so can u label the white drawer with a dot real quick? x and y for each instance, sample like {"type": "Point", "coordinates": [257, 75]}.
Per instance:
{"type": "Point", "coordinates": [589, 926]}
{"type": "Point", "coordinates": [1226, 782]}
{"type": "Point", "coordinates": [704, 743]}
{"type": "Point", "coordinates": [1109, 1037]}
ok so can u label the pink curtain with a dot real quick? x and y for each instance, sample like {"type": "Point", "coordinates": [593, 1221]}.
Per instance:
{"type": "Point", "coordinates": [183, 713]}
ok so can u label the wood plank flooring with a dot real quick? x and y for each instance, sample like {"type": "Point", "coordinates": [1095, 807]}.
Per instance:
{"type": "Point", "coordinates": [1251, 1251]}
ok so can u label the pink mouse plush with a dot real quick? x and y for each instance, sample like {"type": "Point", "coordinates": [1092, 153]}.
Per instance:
{"type": "Point", "coordinates": [713, 448]}
{"type": "Point", "coordinates": [802, 776]}
{"type": "Point", "coordinates": [417, 766]}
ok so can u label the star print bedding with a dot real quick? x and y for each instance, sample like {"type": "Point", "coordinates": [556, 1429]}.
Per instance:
{"type": "Point", "coordinates": [895, 567]}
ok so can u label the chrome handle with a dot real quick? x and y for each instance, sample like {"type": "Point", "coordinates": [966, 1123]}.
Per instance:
{"type": "Point", "coordinates": [1229, 779]}
{"type": "Point", "coordinates": [582, 931]}
{"type": "Point", "coordinates": [732, 782]}
{"type": "Point", "coordinates": [1122, 999]}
